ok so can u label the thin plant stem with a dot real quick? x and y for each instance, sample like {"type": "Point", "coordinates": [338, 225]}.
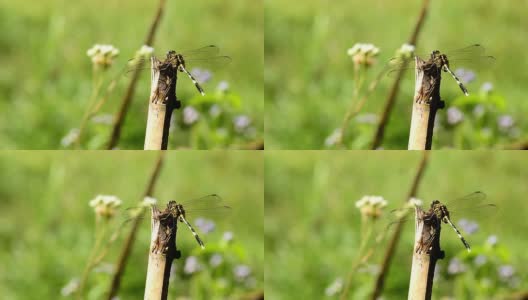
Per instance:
{"type": "Point", "coordinates": [391, 99]}
{"type": "Point", "coordinates": [355, 109]}
{"type": "Point", "coordinates": [131, 237]}
{"type": "Point", "coordinates": [127, 98]}
{"type": "Point", "coordinates": [96, 87]}
{"type": "Point", "coordinates": [367, 228]}
{"type": "Point", "coordinates": [100, 233]}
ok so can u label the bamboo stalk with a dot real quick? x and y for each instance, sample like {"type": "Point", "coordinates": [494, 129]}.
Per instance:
{"type": "Point", "coordinates": [426, 103]}
{"type": "Point", "coordinates": [162, 252]}
{"type": "Point", "coordinates": [162, 102]}
{"type": "Point", "coordinates": [129, 241]}
{"type": "Point", "coordinates": [424, 260]}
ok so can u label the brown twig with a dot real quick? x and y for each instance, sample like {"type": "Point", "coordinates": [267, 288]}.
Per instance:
{"type": "Point", "coordinates": [127, 99]}
{"type": "Point", "coordinates": [389, 253]}
{"type": "Point", "coordinates": [391, 99]}
{"type": "Point", "coordinates": [129, 241]}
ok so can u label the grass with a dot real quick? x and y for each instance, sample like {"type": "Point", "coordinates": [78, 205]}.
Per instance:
{"type": "Point", "coordinates": [47, 227]}
{"type": "Point", "coordinates": [46, 80]}
{"type": "Point", "coordinates": [308, 76]}
{"type": "Point", "coordinates": [312, 228]}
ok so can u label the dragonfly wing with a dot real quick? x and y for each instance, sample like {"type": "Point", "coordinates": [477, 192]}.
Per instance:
{"type": "Point", "coordinates": [203, 52]}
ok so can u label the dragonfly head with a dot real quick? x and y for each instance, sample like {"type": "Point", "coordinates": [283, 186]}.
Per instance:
{"type": "Point", "coordinates": [435, 203]}
{"type": "Point", "coordinates": [171, 54]}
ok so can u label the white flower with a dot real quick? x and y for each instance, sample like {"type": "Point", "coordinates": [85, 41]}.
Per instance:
{"type": "Point", "coordinates": [371, 206]}
{"type": "Point", "coordinates": [105, 205]}
{"type": "Point", "coordinates": [145, 51]}
{"type": "Point", "coordinates": [363, 54]}
{"type": "Point", "coordinates": [102, 55]}
{"type": "Point", "coordinates": [414, 202]}
{"type": "Point", "coordinates": [148, 201]}
{"type": "Point", "coordinates": [405, 51]}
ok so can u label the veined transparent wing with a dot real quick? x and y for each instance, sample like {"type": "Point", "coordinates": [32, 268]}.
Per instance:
{"type": "Point", "coordinates": [472, 57]}
{"type": "Point", "coordinates": [205, 203]}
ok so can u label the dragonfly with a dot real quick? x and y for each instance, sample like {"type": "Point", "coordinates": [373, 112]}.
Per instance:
{"type": "Point", "coordinates": [472, 204]}
{"type": "Point", "coordinates": [471, 56]}
{"type": "Point", "coordinates": [177, 62]}
{"type": "Point", "coordinates": [178, 211]}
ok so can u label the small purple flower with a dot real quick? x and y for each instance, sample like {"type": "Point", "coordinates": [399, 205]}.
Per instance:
{"type": "Point", "coordinates": [333, 138]}
{"type": "Point", "coordinates": [241, 123]}
{"type": "Point", "coordinates": [216, 260]}
{"type": "Point", "coordinates": [492, 240]}
{"type": "Point", "coordinates": [228, 236]}
{"type": "Point", "coordinates": [487, 87]}
{"type": "Point", "coordinates": [70, 287]}
{"type": "Point", "coordinates": [201, 75]}
{"type": "Point", "coordinates": [480, 260]}
{"type": "Point", "coordinates": [367, 119]}
{"type": "Point", "coordinates": [215, 110]}
{"type": "Point", "coordinates": [505, 122]}
{"type": "Point", "coordinates": [468, 226]}
{"type": "Point", "coordinates": [241, 272]}
{"type": "Point", "coordinates": [190, 115]}
{"type": "Point", "coordinates": [465, 76]}
{"type": "Point", "coordinates": [456, 267]}
{"type": "Point", "coordinates": [105, 119]}
{"type": "Point", "coordinates": [205, 225]}
{"type": "Point", "coordinates": [479, 110]}
{"type": "Point", "coordinates": [223, 86]}
{"type": "Point", "coordinates": [334, 288]}
{"type": "Point", "coordinates": [192, 265]}
{"type": "Point", "coordinates": [454, 116]}
{"type": "Point", "coordinates": [506, 272]}
{"type": "Point", "coordinates": [486, 132]}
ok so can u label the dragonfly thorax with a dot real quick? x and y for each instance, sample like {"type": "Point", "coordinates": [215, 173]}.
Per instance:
{"type": "Point", "coordinates": [440, 210]}
{"type": "Point", "coordinates": [175, 209]}
{"type": "Point", "coordinates": [175, 59]}
{"type": "Point", "coordinates": [440, 60]}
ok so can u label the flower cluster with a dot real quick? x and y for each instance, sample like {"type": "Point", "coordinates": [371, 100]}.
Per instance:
{"type": "Point", "coordinates": [363, 54]}
{"type": "Point", "coordinates": [102, 55]}
{"type": "Point", "coordinates": [406, 51]}
{"type": "Point", "coordinates": [371, 206]}
{"type": "Point", "coordinates": [105, 205]}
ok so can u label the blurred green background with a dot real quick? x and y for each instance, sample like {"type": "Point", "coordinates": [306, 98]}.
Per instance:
{"type": "Point", "coordinates": [47, 227]}
{"type": "Point", "coordinates": [309, 76]}
{"type": "Point", "coordinates": [312, 226]}
{"type": "Point", "coordinates": [46, 78]}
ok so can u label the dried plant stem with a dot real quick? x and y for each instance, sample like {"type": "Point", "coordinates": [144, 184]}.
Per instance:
{"type": "Point", "coordinates": [389, 253]}
{"type": "Point", "coordinates": [424, 260]}
{"type": "Point", "coordinates": [160, 110]}
{"type": "Point", "coordinates": [161, 254]}
{"type": "Point", "coordinates": [391, 99]}
{"type": "Point", "coordinates": [129, 241]}
{"type": "Point", "coordinates": [127, 99]}
{"type": "Point", "coordinates": [425, 104]}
